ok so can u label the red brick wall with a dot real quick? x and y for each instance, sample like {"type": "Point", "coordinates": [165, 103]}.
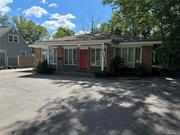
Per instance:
{"type": "Point", "coordinates": [60, 55]}
{"type": "Point", "coordinates": [147, 52]}
{"type": "Point", "coordinates": [109, 55]}
{"type": "Point", "coordinates": [37, 55]}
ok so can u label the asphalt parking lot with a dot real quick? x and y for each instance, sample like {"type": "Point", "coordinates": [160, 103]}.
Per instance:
{"type": "Point", "coordinates": [73, 105]}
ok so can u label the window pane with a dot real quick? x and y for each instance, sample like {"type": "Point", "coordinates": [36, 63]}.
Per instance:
{"type": "Point", "coordinates": [114, 52]}
{"type": "Point", "coordinates": [138, 55]}
{"type": "Point", "coordinates": [92, 56]}
{"type": "Point", "coordinates": [118, 52]}
{"type": "Point", "coordinates": [131, 57]}
{"type": "Point", "coordinates": [74, 56]}
{"type": "Point", "coordinates": [10, 38]}
{"type": "Point", "coordinates": [15, 39]}
{"type": "Point", "coordinates": [70, 56]}
{"type": "Point", "coordinates": [124, 55]}
{"type": "Point", "coordinates": [98, 57]}
{"type": "Point", "coordinates": [55, 55]}
{"type": "Point", "coordinates": [51, 56]}
{"type": "Point", "coordinates": [66, 56]}
{"type": "Point", "coordinates": [44, 54]}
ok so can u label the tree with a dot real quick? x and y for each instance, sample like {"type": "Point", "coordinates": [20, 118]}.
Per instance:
{"type": "Point", "coordinates": [103, 28]}
{"type": "Point", "coordinates": [29, 30]}
{"type": "Point", "coordinates": [62, 32]}
{"type": "Point", "coordinates": [149, 19]}
{"type": "Point", "coordinates": [4, 21]}
{"type": "Point", "coordinates": [89, 25]}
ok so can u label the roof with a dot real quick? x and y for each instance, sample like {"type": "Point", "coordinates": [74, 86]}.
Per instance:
{"type": "Point", "coordinates": [4, 30]}
{"type": "Point", "coordinates": [89, 39]}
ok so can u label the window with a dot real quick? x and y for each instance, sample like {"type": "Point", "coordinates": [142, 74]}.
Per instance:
{"type": "Point", "coordinates": [44, 54]}
{"type": "Point", "coordinates": [124, 55]}
{"type": "Point", "coordinates": [53, 56]}
{"type": "Point", "coordinates": [95, 57]}
{"type": "Point", "coordinates": [138, 56]}
{"type": "Point", "coordinates": [70, 56]}
{"type": "Point", "coordinates": [118, 52]}
{"type": "Point", "coordinates": [23, 53]}
{"type": "Point", "coordinates": [130, 56]}
{"type": "Point", "coordinates": [130, 61]}
{"type": "Point", "coordinates": [13, 38]}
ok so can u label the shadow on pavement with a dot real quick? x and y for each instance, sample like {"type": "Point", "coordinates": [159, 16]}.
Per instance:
{"type": "Point", "coordinates": [113, 107]}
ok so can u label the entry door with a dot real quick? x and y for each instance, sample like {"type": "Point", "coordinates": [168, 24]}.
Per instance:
{"type": "Point", "coordinates": [84, 59]}
{"type": "Point", "coordinates": [2, 58]}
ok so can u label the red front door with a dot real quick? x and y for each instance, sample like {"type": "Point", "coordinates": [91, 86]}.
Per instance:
{"type": "Point", "coordinates": [84, 59]}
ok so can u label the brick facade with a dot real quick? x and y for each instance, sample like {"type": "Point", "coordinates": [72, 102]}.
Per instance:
{"type": "Point", "coordinates": [60, 55]}
{"type": "Point", "coordinates": [37, 52]}
{"type": "Point", "coordinates": [147, 58]}
{"type": "Point", "coordinates": [147, 52]}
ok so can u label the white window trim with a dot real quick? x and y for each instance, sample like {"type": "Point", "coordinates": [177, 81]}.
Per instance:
{"type": "Point", "coordinates": [72, 48]}
{"type": "Point", "coordinates": [44, 54]}
{"type": "Point", "coordinates": [94, 65]}
{"type": "Point", "coordinates": [134, 52]}
{"type": "Point", "coordinates": [13, 38]}
{"type": "Point", "coordinates": [54, 63]}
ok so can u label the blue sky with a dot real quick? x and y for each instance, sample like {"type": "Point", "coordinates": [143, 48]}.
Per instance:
{"type": "Point", "coordinates": [57, 13]}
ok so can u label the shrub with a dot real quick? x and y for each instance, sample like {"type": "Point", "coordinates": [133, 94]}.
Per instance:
{"type": "Point", "coordinates": [44, 68]}
{"type": "Point", "coordinates": [100, 74]}
{"type": "Point", "coordinates": [116, 64]}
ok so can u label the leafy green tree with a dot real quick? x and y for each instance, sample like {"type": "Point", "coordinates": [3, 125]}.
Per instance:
{"type": "Point", "coordinates": [29, 30]}
{"type": "Point", "coordinates": [62, 32]}
{"type": "Point", "coordinates": [4, 21]}
{"type": "Point", "coordinates": [103, 28]}
{"type": "Point", "coordinates": [157, 19]}
{"type": "Point", "coordinates": [132, 17]}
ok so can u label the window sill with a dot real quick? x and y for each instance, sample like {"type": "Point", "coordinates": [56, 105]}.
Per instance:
{"type": "Point", "coordinates": [53, 63]}
{"type": "Point", "coordinates": [70, 64]}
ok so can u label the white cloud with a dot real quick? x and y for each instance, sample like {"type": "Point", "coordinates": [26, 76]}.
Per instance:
{"type": "Point", "coordinates": [55, 24]}
{"type": "Point", "coordinates": [60, 17]}
{"type": "Point", "coordinates": [53, 5]}
{"type": "Point", "coordinates": [35, 11]}
{"type": "Point", "coordinates": [44, 2]}
{"type": "Point", "coordinates": [59, 21]}
{"type": "Point", "coordinates": [4, 6]}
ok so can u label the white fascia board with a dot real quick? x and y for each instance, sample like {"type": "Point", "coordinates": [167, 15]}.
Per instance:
{"type": "Point", "coordinates": [144, 43]}
{"type": "Point", "coordinates": [68, 43]}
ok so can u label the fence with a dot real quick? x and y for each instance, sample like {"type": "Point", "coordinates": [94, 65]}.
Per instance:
{"type": "Point", "coordinates": [26, 61]}
{"type": "Point", "coordinates": [19, 61]}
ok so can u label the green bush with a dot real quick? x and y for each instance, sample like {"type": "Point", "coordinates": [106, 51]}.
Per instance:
{"type": "Point", "coordinates": [116, 64]}
{"type": "Point", "coordinates": [44, 68]}
{"type": "Point", "coordinates": [100, 74]}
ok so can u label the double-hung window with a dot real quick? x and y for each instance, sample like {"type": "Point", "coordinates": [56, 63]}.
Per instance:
{"type": "Point", "coordinates": [95, 57]}
{"type": "Point", "coordinates": [130, 55]}
{"type": "Point", "coordinates": [44, 54]}
{"type": "Point", "coordinates": [70, 56]}
{"type": "Point", "coordinates": [13, 38]}
{"type": "Point", "coordinates": [53, 56]}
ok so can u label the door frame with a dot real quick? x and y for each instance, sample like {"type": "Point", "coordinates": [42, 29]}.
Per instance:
{"type": "Point", "coordinates": [83, 48]}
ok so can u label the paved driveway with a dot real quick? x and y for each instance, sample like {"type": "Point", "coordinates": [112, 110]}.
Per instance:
{"type": "Point", "coordinates": [35, 104]}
